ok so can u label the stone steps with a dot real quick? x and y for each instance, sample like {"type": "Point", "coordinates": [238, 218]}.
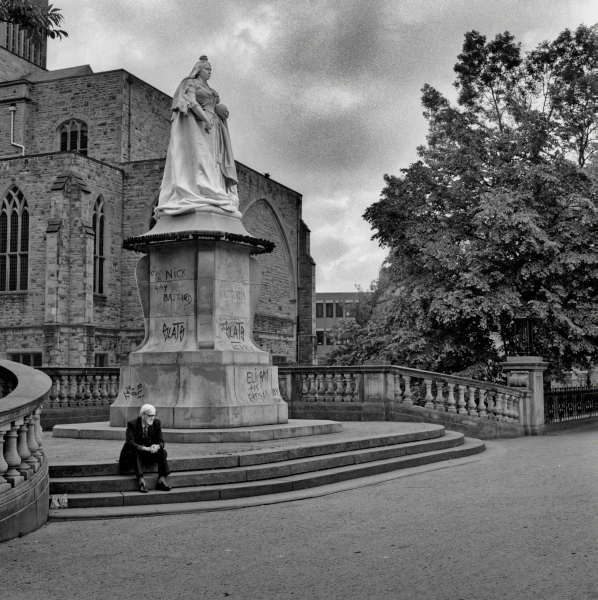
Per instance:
{"type": "Point", "coordinates": [246, 474]}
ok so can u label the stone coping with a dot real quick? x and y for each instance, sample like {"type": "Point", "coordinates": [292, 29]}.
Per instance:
{"type": "Point", "coordinates": [141, 242]}
{"type": "Point", "coordinates": [294, 428]}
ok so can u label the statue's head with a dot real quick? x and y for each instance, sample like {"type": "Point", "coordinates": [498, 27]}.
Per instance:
{"type": "Point", "coordinates": [202, 68]}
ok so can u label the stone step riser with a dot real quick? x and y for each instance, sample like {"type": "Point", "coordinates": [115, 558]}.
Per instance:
{"type": "Point", "coordinates": [247, 459]}
{"type": "Point", "coordinates": [81, 485]}
{"type": "Point", "coordinates": [287, 484]}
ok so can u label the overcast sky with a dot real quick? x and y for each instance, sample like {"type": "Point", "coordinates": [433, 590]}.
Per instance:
{"type": "Point", "coordinates": [324, 95]}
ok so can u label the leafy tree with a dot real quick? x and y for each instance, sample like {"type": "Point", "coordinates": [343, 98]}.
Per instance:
{"type": "Point", "coordinates": [497, 219]}
{"type": "Point", "coordinates": [37, 20]}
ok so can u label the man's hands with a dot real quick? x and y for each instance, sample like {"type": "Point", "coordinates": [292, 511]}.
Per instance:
{"type": "Point", "coordinates": [153, 448]}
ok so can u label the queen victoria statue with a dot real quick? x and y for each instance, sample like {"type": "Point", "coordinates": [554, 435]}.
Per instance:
{"type": "Point", "coordinates": [200, 173]}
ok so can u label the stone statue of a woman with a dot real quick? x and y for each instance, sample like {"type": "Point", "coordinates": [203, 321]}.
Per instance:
{"type": "Point", "coordinates": [200, 172]}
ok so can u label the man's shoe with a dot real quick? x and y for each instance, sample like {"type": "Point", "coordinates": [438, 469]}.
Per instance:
{"type": "Point", "coordinates": [163, 486]}
{"type": "Point", "coordinates": [142, 488]}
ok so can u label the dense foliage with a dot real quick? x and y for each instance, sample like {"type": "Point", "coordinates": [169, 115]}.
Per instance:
{"type": "Point", "coordinates": [498, 219]}
{"type": "Point", "coordinates": [37, 20]}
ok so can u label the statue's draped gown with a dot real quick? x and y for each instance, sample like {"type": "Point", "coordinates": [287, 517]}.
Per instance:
{"type": "Point", "coordinates": [200, 168]}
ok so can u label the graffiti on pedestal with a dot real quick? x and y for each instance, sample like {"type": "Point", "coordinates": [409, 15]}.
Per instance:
{"type": "Point", "coordinates": [259, 386]}
{"type": "Point", "coordinates": [175, 331]}
{"type": "Point", "coordinates": [235, 334]}
{"type": "Point", "coordinates": [135, 392]}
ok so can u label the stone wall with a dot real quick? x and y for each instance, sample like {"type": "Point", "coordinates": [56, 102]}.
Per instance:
{"type": "Point", "coordinates": [145, 120]}
{"type": "Point", "coordinates": [14, 67]}
{"type": "Point", "coordinates": [272, 211]}
{"type": "Point", "coordinates": [128, 130]}
{"type": "Point", "coordinates": [306, 322]}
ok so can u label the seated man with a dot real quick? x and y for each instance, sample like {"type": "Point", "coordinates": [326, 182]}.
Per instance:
{"type": "Point", "coordinates": [145, 445]}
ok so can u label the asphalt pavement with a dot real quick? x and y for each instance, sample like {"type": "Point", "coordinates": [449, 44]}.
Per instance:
{"type": "Point", "coordinates": [521, 522]}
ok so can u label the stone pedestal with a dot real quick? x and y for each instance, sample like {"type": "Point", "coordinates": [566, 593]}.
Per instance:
{"type": "Point", "coordinates": [198, 364]}
{"type": "Point", "coordinates": [527, 371]}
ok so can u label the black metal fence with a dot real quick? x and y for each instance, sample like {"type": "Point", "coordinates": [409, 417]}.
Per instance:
{"type": "Point", "coordinates": [567, 404]}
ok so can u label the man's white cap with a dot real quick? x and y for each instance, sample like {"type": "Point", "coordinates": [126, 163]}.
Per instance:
{"type": "Point", "coordinates": [146, 408]}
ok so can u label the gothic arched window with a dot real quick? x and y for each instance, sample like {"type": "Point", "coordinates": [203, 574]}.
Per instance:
{"type": "Point", "coordinates": [98, 223]}
{"type": "Point", "coordinates": [14, 241]}
{"type": "Point", "coordinates": [73, 136]}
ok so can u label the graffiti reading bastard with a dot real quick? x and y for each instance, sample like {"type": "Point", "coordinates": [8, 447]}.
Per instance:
{"type": "Point", "coordinates": [176, 331]}
{"type": "Point", "coordinates": [259, 386]}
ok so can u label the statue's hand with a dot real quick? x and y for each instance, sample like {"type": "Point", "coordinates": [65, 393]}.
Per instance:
{"type": "Point", "coordinates": [221, 111]}
{"type": "Point", "coordinates": [207, 126]}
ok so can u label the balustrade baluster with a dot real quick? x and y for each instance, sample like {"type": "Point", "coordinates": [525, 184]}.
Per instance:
{"type": "Point", "coordinates": [481, 404]}
{"type": "Point", "coordinates": [113, 380]}
{"type": "Point", "coordinates": [11, 456]}
{"type": "Point", "coordinates": [71, 390]}
{"type": "Point", "coordinates": [491, 403]}
{"type": "Point", "coordinates": [304, 387]}
{"type": "Point", "coordinates": [439, 401]}
{"type": "Point", "coordinates": [39, 433]}
{"type": "Point", "coordinates": [407, 394]}
{"type": "Point", "coordinates": [429, 398]}
{"type": "Point", "coordinates": [516, 405]}
{"type": "Point", "coordinates": [31, 443]}
{"type": "Point", "coordinates": [104, 390]}
{"type": "Point", "coordinates": [80, 390]}
{"type": "Point", "coordinates": [338, 387]}
{"type": "Point", "coordinates": [398, 393]}
{"type": "Point", "coordinates": [358, 387]}
{"type": "Point", "coordinates": [24, 468]}
{"type": "Point", "coordinates": [348, 397]}
{"type": "Point", "coordinates": [472, 408]}
{"type": "Point", "coordinates": [63, 390]}
{"type": "Point", "coordinates": [95, 393]}
{"type": "Point", "coordinates": [312, 388]}
{"type": "Point", "coordinates": [53, 394]}
{"type": "Point", "coordinates": [328, 384]}
{"type": "Point", "coordinates": [4, 485]}
{"type": "Point", "coordinates": [498, 406]}
{"type": "Point", "coordinates": [461, 405]}
{"type": "Point", "coordinates": [450, 403]}
{"type": "Point", "coordinates": [510, 408]}
{"type": "Point", "coordinates": [321, 389]}
{"type": "Point", "coordinates": [87, 389]}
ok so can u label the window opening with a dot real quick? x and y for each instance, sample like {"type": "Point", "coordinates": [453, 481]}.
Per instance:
{"type": "Point", "coordinates": [98, 225]}
{"type": "Point", "coordinates": [73, 137]}
{"type": "Point", "coordinates": [14, 242]}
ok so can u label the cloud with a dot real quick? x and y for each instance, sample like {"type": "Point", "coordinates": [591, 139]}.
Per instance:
{"type": "Point", "coordinates": [324, 95]}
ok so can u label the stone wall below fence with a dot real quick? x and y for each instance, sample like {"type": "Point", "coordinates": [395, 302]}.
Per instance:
{"type": "Point", "coordinates": [482, 429]}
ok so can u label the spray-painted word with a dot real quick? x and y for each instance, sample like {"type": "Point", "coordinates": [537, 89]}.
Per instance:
{"type": "Point", "coordinates": [176, 331]}
{"type": "Point", "coordinates": [233, 330]}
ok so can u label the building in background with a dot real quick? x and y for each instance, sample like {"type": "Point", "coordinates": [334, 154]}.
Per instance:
{"type": "Point", "coordinates": [331, 308]}
{"type": "Point", "coordinates": [81, 162]}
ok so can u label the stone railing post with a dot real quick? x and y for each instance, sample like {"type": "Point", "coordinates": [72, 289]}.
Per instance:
{"type": "Point", "coordinates": [527, 372]}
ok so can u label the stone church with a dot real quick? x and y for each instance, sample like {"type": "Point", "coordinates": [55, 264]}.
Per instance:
{"type": "Point", "coordinates": [81, 161]}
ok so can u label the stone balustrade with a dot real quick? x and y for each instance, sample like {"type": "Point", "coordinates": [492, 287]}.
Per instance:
{"type": "Point", "coordinates": [23, 466]}
{"type": "Point", "coordinates": [388, 392]}
{"type": "Point", "coordinates": [72, 386]}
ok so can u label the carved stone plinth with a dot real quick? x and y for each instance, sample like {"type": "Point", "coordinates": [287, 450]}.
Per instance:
{"type": "Point", "coordinates": [198, 364]}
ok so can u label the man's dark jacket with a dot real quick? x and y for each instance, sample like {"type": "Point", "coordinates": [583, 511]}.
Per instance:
{"type": "Point", "coordinates": [136, 441]}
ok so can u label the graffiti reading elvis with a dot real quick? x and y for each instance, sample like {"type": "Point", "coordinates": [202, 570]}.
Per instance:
{"type": "Point", "coordinates": [259, 388]}
{"type": "Point", "coordinates": [176, 331]}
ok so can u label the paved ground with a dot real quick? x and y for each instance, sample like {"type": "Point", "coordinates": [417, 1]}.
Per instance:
{"type": "Point", "coordinates": [521, 523]}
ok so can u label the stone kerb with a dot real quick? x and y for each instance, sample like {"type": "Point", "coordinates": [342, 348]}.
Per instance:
{"type": "Point", "coordinates": [24, 481]}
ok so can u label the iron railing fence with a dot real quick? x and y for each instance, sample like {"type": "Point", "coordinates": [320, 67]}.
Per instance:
{"type": "Point", "coordinates": [570, 403]}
